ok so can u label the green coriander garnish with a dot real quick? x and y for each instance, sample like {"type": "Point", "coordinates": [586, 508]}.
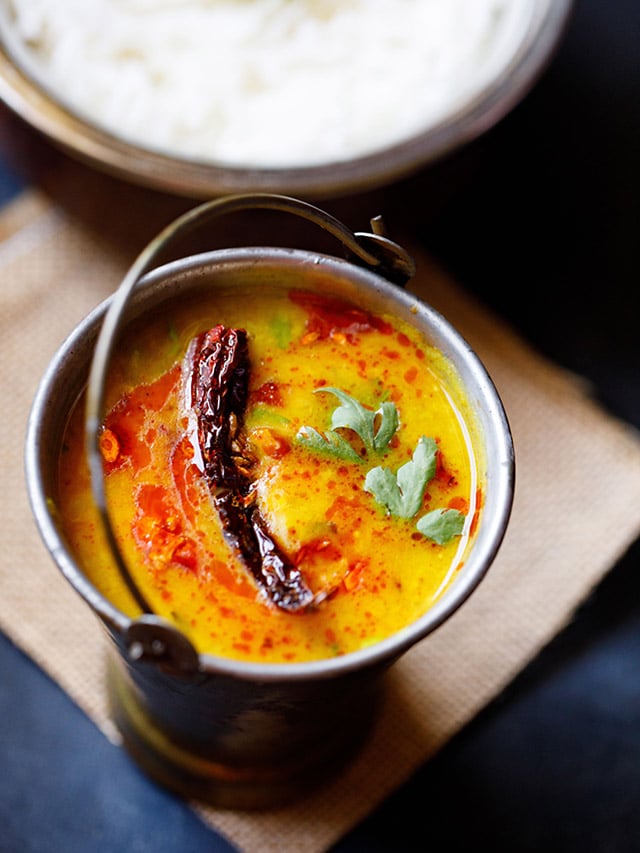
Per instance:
{"type": "Point", "coordinates": [441, 525]}
{"type": "Point", "coordinates": [331, 442]}
{"type": "Point", "coordinates": [402, 492]}
{"type": "Point", "coordinates": [375, 428]}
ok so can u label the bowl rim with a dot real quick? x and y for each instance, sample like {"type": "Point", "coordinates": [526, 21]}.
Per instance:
{"type": "Point", "coordinates": [97, 147]}
{"type": "Point", "coordinates": [194, 268]}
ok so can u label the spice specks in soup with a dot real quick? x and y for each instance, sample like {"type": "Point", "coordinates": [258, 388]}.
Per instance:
{"type": "Point", "coordinates": [289, 476]}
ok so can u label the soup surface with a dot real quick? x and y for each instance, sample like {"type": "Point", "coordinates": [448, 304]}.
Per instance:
{"type": "Point", "coordinates": [352, 446]}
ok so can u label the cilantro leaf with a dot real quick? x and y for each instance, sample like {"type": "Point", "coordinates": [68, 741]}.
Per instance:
{"type": "Point", "coordinates": [352, 415]}
{"type": "Point", "coordinates": [331, 442]}
{"type": "Point", "coordinates": [402, 493]}
{"type": "Point", "coordinates": [441, 525]}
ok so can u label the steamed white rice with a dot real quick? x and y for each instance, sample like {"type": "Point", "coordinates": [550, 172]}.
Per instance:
{"type": "Point", "coordinates": [266, 83]}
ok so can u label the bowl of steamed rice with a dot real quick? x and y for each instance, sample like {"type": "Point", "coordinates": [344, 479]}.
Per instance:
{"type": "Point", "coordinates": [315, 97]}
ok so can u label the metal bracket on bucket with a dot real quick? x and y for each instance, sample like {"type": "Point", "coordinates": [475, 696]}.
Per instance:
{"type": "Point", "coordinates": [154, 640]}
{"type": "Point", "coordinates": [149, 637]}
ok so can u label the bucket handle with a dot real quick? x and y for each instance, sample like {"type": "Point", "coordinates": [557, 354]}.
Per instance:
{"type": "Point", "coordinates": [150, 637]}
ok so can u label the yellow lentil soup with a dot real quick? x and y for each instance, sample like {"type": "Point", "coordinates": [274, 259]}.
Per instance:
{"type": "Point", "coordinates": [362, 467]}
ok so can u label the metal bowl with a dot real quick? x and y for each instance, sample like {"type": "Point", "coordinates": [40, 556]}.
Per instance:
{"type": "Point", "coordinates": [44, 110]}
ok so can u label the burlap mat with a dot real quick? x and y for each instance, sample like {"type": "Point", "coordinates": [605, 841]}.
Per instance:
{"type": "Point", "coordinates": [575, 513]}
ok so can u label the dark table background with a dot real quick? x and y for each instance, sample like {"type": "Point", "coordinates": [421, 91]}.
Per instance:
{"type": "Point", "coordinates": [540, 219]}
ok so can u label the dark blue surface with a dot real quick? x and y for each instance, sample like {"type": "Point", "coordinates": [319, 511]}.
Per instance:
{"type": "Point", "coordinates": [10, 185]}
{"type": "Point", "coordinates": [66, 788]}
{"type": "Point", "coordinates": [544, 226]}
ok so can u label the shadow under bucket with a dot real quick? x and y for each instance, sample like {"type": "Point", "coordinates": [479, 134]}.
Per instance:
{"type": "Point", "coordinates": [244, 733]}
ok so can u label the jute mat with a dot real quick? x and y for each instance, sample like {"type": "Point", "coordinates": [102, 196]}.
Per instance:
{"type": "Point", "coordinates": [562, 539]}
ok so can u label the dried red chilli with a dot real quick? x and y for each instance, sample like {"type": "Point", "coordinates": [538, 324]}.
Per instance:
{"type": "Point", "coordinates": [217, 368]}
